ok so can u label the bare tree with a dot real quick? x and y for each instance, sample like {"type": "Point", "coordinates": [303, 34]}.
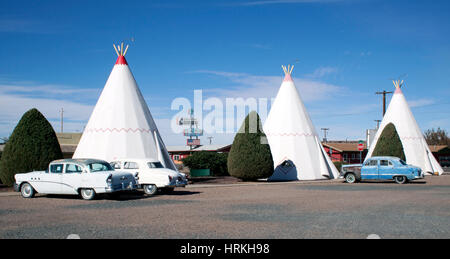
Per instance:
{"type": "Point", "coordinates": [437, 137]}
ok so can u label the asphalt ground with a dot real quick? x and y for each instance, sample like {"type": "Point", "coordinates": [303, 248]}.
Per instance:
{"type": "Point", "coordinates": [324, 209]}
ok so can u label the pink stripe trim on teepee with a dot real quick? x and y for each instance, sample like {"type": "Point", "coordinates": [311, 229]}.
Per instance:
{"type": "Point", "coordinates": [111, 130]}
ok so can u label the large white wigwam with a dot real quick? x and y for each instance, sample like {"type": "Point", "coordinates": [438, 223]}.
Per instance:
{"type": "Point", "coordinates": [121, 125]}
{"type": "Point", "coordinates": [415, 147]}
{"type": "Point", "coordinates": [296, 149]}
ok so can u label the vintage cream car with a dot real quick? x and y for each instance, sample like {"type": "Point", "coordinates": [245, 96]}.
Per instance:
{"type": "Point", "coordinates": [85, 177]}
{"type": "Point", "coordinates": [151, 174]}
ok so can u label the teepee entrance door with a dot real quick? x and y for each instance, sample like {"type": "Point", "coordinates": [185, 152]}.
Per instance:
{"type": "Point", "coordinates": [286, 171]}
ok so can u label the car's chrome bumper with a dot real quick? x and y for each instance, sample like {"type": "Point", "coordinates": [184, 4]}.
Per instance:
{"type": "Point", "coordinates": [121, 187]}
{"type": "Point", "coordinates": [178, 183]}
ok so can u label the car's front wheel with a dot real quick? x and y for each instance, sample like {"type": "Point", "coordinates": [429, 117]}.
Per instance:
{"type": "Point", "coordinates": [150, 189]}
{"type": "Point", "coordinates": [27, 191]}
{"type": "Point", "coordinates": [400, 179]}
{"type": "Point", "coordinates": [87, 194]}
{"type": "Point", "coordinates": [350, 178]}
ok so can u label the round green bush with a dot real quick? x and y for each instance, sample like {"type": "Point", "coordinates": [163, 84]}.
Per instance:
{"type": "Point", "coordinates": [32, 146]}
{"type": "Point", "coordinates": [249, 159]}
{"type": "Point", "coordinates": [389, 143]}
{"type": "Point", "coordinates": [216, 162]}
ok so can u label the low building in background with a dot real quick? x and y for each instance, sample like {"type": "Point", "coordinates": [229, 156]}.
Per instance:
{"type": "Point", "coordinates": [345, 151]}
{"type": "Point", "coordinates": [442, 154]}
{"type": "Point", "coordinates": [68, 143]}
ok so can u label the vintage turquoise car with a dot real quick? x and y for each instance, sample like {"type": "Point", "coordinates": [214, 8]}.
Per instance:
{"type": "Point", "coordinates": [381, 168]}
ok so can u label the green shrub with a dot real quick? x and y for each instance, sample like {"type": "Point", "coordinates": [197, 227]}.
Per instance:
{"type": "Point", "coordinates": [216, 162]}
{"type": "Point", "coordinates": [389, 143]}
{"type": "Point", "coordinates": [32, 146]}
{"type": "Point", "coordinates": [249, 159]}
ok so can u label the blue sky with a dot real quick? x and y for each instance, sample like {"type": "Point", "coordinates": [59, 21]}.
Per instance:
{"type": "Point", "coordinates": [59, 54]}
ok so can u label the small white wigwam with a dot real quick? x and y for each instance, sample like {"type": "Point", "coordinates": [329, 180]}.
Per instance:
{"type": "Point", "coordinates": [121, 125]}
{"type": "Point", "coordinates": [296, 149]}
{"type": "Point", "coordinates": [415, 147]}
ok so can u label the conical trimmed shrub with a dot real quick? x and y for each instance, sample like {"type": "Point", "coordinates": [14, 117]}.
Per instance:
{"type": "Point", "coordinates": [389, 143]}
{"type": "Point", "coordinates": [32, 146]}
{"type": "Point", "coordinates": [248, 158]}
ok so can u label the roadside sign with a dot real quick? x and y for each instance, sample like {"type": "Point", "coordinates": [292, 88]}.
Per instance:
{"type": "Point", "coordinates": [361, 145]}
{"type": "Point", "coordinates": [193, 142]}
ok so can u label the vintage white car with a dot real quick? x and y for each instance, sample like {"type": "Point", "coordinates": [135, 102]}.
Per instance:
{"type": "Point", "coordinates": [85, 177]}
{"type": "Point", "coordinates": [151, 174]}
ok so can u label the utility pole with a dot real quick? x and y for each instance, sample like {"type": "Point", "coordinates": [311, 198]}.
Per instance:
{"type": "Point", "coordinates": [378, 123]}
{"type": "Point", "coordinates": [325, 130]}
{"type": "Point", "coordinates": [384, 93]}
{"type": "Point", "coordinates": [62, 120]}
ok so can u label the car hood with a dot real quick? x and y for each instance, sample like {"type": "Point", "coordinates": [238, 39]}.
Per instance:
{"type": "Point", "coordinates": [413, 167]}
{"type": "Point", "coordinates": [30, 174]}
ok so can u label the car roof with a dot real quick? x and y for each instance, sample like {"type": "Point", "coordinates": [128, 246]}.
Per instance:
{"type": "Point", "coordinates": [81, 161]}
{"type": "Point", "coordinates": [385, 157]}
{"type": "Point", "coordinates": [145, 160]}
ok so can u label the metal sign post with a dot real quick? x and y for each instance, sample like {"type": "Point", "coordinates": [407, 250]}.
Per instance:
{"type": "Point", "coordinates": [360, 148]}
{"type": "Point", "coordinates": [193, 132]}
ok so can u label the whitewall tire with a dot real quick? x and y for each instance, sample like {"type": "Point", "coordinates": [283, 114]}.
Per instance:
{"type": "Point", "coordinates": [400, 179]}
{"type": "Point", "coordinates": [87, 194]}
{"type": "Point", "coordinates": [350, 178]}
{"type": "Point", "coordinates": [150, 189]}
{"type": "Point", "coordinates": [27, 191]}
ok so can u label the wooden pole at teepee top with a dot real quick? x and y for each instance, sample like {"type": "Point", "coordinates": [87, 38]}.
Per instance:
{"type": "Point", "coordinates": [116, 50]}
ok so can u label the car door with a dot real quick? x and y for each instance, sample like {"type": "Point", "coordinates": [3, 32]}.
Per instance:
{"type": "Point", "coordinates": [370, 170]}
{"type": "Point", "coordinates": [386, 170]}
{"type": "Point", "coordinates": [71, 178]}
{"type": "Point", "coordinates": [50, 181]}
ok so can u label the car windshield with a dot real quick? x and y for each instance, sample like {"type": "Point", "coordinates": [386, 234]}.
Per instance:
{"type": "Point", "coordinates": [100, 167]}
{"type": "Point", "coordinates": [155, 165]}
{"type": "Point", "coordinates": [402, 162]}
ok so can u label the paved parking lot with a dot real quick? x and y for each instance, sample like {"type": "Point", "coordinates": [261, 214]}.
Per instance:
{"type": "Point", "coordinates": [286, 210]}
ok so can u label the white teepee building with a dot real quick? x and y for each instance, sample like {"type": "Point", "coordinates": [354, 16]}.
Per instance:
{"type": "Point", "coordinates": [296, 148]}
{"type": "Point", "coordinates": [121, 125]}
{"type": "Point", "coordinates": [415, 147]}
